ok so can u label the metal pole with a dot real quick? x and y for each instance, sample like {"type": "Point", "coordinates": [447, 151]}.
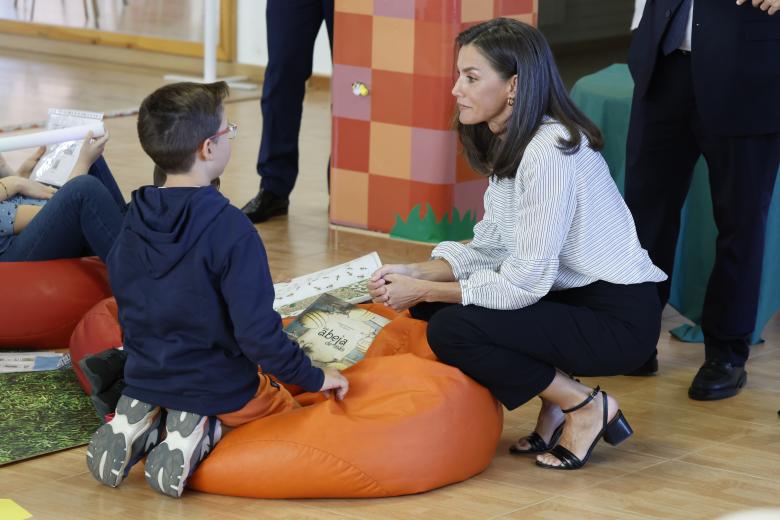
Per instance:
{"type": "Point", "coordinates": [210, 40]}
{"type": "Point", "coordinates": [210, 44]}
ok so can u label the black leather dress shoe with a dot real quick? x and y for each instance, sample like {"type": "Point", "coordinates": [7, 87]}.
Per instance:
{"type": "Point", "coordinates": [717, 380]}
{"type": "Point", "coordinates": [648, 368]}
{"type": "Point", "coordinates": [264, 206]}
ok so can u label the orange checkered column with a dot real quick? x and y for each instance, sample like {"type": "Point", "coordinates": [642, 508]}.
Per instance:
{"type": "Point", "coordinates": [396, 165]}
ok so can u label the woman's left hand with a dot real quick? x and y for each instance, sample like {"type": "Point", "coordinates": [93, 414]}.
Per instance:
{"type": "Point", "coordinates": [400, 292]}
{"type": "Point", "coordinates": [5, 170]}
{"type": "Point", "coordinates": [29, 164]}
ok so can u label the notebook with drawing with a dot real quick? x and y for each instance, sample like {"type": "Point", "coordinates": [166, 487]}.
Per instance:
{"type": "Point", "coordinates": [57, 162]}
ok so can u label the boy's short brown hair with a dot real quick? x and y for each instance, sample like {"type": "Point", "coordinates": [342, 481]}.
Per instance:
{"type": "Point", "coordinates": [175, 119]}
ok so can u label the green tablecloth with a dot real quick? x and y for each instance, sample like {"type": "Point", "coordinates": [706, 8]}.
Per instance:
{"type": "Point", "coordinates": [605, 97]}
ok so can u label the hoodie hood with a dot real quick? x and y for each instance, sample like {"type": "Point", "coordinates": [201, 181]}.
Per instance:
{"type": "Point", "coordinates": [163, 224]}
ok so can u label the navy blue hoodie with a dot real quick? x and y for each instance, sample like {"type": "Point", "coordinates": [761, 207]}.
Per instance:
{"type": "Point", "coordinates": [195, 297]}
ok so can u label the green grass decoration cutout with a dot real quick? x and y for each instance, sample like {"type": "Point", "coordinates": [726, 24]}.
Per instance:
{"type": "Point", "coordinates": [43, 412]}
{"type": "Point", "coordinates": [428, 229]}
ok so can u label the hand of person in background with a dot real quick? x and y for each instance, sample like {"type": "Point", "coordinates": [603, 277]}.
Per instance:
{"type": "Point", "coordinates": [17, 185]}
{"type": "Point", "coordinates": [770, 6]}
{"type": "Point", "coordinates": [91, 149]}
{"type": "Point", "coordinates": [5, 169]}
{"type": "Point", "coordinates": [29, 164]}
{"type": "Point", "coordinates": [334, 381]}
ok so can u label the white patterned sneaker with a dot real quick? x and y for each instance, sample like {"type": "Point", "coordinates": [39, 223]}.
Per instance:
{"type": "Point", "coordinates": [117, 445]}
{"type": "Point", "coordinates": [189, 438]}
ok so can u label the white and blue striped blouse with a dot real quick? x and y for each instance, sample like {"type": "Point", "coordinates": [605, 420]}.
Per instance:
{"type": "Point", "coordinates": [560, 223]}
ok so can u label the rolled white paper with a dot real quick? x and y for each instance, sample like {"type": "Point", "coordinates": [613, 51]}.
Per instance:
{"type": "Point", "coordinates": [34, 140]}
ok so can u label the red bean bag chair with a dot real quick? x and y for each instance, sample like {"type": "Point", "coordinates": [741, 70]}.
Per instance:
{"type": "Point", "coordinates": [409, 424]}
{"type": "Point", "coordinates": [44, 301]}
{"type": "Point", "coordinates": [97, 331]}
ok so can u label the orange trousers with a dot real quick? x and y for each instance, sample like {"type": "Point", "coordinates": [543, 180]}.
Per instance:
{"type": "Point", "coordinates": [271, 398]}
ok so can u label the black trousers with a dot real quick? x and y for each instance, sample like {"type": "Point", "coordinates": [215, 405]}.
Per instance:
{"type": "Point", "coordinates": [601, 329]}
{"type": "Point", "coordinates": [665, 139]}
{"type": "Point", "coordinates": [292, 27]}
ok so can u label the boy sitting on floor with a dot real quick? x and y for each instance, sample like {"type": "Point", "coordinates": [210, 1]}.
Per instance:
{"type": "Point", "coordinates": [191, 279]}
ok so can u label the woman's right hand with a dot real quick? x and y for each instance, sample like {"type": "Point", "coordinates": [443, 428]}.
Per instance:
{"type": "Point", "coordinates": [28, 188]}
{"type": "Point", "coordinates": [91, 149]}
{"type": "Point", "coordinates": [377, 281]}
{"type": "Point", "coordinates": [404, 269]}
{"type": "Point", "coordinates": [334, 381]}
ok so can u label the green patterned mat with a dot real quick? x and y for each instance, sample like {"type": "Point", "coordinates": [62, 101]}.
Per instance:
{"type": "Point", "coordinates": [42, 412]}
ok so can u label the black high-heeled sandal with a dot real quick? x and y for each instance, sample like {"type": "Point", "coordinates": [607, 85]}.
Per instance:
{"type": "Point", "coordinates": [537, 444]}
{"type": "Point", "coordinates": [613, 432]}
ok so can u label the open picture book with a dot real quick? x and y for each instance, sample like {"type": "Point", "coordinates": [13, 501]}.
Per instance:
{"type": "Point", "coordinates": [56, 164]}
{"type": "Point", "coordinates": [346, 281]}
{"type": "Point", "coordinates": [335, 333]}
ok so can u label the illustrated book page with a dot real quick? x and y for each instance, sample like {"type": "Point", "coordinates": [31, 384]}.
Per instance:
{"type": "Point", "coordinates": [346, 282]}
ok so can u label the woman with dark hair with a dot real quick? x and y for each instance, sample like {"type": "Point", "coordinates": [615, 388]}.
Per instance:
{"type": "Point", "coordinates": [554, 281]}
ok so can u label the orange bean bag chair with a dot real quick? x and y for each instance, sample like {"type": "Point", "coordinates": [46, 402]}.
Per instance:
{"type": "Point", "coordinates": [44, 301]}
{"type": "Point", "coordinates": [409, 424]}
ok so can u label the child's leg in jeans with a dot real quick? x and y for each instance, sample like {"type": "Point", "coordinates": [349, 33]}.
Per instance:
{"type": "Point", "coordinates": [102, 172]}
{"type": "Point", "coordinates": [81, 216]}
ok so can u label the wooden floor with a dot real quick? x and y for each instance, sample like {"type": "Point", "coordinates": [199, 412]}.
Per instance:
{"type": "Point", "coordinates": [172, 19]}
{"type": "Point", "coordinates": [687, 460]}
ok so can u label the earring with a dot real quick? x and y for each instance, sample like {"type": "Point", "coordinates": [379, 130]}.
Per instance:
{"type": "Point", "coordinates": [510, 102]}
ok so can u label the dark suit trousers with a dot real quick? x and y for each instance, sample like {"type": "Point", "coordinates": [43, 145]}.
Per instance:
{"type": "Point", "coordinates": [292, 27]}
{"type": "Point", "coordinates": [665, 139]}
{"type": "Point", "coordinates": [602, 329]}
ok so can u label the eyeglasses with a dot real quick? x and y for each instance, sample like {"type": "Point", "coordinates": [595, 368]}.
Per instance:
{"type": "Point", "coordinates": [231, 131]}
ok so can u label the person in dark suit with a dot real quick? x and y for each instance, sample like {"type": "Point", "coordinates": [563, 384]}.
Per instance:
{"type": "Point", "coordinates": [292, 30]}
{"type": "Point", "coordinates": [707, 82]}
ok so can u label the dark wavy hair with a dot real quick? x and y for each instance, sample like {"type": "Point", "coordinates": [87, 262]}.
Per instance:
{"type": "Point", "coordinates": [513, 47]}
{"type": "Point", "coordinates": [174, 120]}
